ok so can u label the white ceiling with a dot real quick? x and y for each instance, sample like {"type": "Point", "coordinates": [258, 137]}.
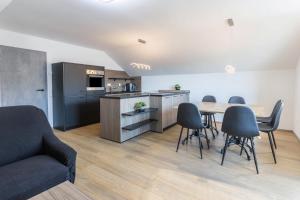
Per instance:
{"type": "Point", "coordinates": [183, 36]}
{"type": "Point", "coordinates": [4, 3]}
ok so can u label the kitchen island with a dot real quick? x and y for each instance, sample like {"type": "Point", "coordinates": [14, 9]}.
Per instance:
{"type": "Point", "coordinates": [120, 122]}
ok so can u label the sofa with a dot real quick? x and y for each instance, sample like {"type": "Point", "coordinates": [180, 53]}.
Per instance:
{"type": "Point", "coordinates": [32, 158]}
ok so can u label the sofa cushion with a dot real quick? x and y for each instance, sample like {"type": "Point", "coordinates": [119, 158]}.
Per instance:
{"type": "Point", "coordinates": [21, 132]}
{"type": "Point", "coordinates": [29, 177]}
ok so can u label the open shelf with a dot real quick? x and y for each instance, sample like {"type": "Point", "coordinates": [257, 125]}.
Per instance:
{"type": "Point", "coordinates": [138, 125]}
{"type": "Point", "coordinates": [133, 113]}
{"type": "Point", "coordinates": [119, 78]}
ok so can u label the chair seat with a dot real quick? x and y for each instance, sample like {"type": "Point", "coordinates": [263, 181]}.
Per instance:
{"type": "Point", "coordinates": [264, 119]}
{"type": "Point", "coordinates": [29, 177]}
{"type": "Point", "coordinates": [264, 127]}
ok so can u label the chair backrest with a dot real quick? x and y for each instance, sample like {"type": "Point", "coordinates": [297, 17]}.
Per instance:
{"type": "Point", "coordinates": [209, 98]}
{"type": "Point", "coordinates": [277, 115]}
{"type": "Point", "coordinates": [240, 121]}
{"type": "Point", "coordinates": [237, 100]}
{"type": "Point", "coordinates": [277, 106]}
{"type": "Point", "coordinates": [21, 132]}
{"type": "Point", "coordinates": [188, 116]}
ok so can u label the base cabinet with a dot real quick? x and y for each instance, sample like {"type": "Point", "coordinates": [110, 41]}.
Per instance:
{"type": "Point", "coordinates": [167, 115]}
{"type": "Point", "coordinates": [75, 112]}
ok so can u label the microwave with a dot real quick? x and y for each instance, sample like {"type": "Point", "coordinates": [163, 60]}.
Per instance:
{"type": "Point", "coordinates": [95, 80]}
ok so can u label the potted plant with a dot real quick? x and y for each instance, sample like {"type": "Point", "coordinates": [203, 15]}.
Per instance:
{"type": "Point", "coordinates": [177, 87]}
{"type": "Point", "coordinates": [139, 106]}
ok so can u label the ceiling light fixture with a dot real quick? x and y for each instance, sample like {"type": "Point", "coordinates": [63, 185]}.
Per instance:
{"type": "Point", "coordinates": [230, 69]}
{"type": "Point", "coordinates": [142, 41]}
{"type": "Point", "coordinates": [140, 66]}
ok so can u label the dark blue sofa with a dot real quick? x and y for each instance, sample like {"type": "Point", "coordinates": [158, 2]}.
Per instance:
{"type": "Point", "coordinates": [32, 158]}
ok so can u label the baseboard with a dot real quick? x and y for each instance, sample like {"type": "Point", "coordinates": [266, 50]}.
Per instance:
{"type": "Point", "coordinates": [298, 137]}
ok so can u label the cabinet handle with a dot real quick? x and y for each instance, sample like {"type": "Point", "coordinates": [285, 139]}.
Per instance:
{"type": "Point", "coordinates": [40, 90]}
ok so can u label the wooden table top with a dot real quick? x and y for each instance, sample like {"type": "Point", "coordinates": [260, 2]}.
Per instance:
{"type": "Point", "coordinates": [63, 191]}
{"type": "Point", "coordinates": [222, 107]}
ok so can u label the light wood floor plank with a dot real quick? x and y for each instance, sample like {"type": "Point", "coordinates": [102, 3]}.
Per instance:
{"type": "Point", "coordinates": [147, 167]}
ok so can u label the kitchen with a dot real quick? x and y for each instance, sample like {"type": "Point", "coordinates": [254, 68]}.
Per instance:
{"type": "Point", "coordinates": [85, 94]}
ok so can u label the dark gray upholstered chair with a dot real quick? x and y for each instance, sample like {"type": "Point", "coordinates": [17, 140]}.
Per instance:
{"type": "Point", "coordinates": [269, 118]}
{"type": "Point", "coordinates": [209, 118]}
{"type": "Point", "coordinates": [32, 158]}
{"type": "Point", "coordinates": [240, 121]}
{"type": "Point", "coordinates": [272, 126]}
{"type": "Point", "coordinates": [237, 100]}
{"type": "Point", "coordinates": [189, 117]}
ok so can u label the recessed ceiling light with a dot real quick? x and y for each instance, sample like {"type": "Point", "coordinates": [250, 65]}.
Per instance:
{"type": "Point", "coordinates": [142, 41]}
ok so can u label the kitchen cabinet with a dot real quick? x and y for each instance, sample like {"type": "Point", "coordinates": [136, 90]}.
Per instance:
{"type": "Point", "coordinates": [92, 109]}
{"type": "Point", "coordinates": [74, 79]}
{"type": "Point", "coordinates": [73, 105]}
{"type": "Point", "coordinates": [167, 105]}
{"type": "Point", "coordinates": [75, 114]}
{"type": "Point", "coordinates": [167, 114]}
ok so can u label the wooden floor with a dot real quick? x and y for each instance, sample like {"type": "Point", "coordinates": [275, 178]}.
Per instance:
{"type": "Point", "coordinates": [147, 167]}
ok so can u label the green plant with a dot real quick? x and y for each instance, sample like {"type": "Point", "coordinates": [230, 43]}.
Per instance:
{"type": "Point", "coordinates": [177, 87]}
{"type": "Point", "coordinates": [139, 105]}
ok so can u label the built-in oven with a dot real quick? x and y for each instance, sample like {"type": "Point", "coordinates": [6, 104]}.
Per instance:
{"type": "Point", "coordinates": [95, 80]}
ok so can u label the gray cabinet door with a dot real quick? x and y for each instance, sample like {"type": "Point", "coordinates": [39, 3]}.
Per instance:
{"type": "Point", "coordinates": [23, 77]}
{"type": "Point", "coordinates": [75, 113]}
{"type": "Point", "coordinates": [74, 80]}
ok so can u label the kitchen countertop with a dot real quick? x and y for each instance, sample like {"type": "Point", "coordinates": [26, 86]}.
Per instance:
{"type": "Point", "coordinates": [143, 94]}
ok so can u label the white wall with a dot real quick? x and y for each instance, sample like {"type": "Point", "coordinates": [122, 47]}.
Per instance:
{"type": "Point", "coordinates": [257, 87]}
{"type": "Point", "coordinates": [57, 52]}
{"type": "Point", "coordinates": [297, 103]}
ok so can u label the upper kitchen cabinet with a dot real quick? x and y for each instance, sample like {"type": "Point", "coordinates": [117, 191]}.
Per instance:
{"type": "Point", "coordinates": [74, 79]}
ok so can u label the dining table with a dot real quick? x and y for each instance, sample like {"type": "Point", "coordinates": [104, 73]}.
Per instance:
{"type": "Point", "coordinates": [220, 108]}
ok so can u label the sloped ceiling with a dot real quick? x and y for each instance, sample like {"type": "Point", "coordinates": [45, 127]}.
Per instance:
{"type": "Point", "coordinates": [4, 4]}
{"type": "Point", "coordinates": [183, 36]}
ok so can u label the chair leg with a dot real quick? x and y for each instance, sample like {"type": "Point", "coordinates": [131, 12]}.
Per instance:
{"type": "Point", "coordinates": [242, 148]}
{"type": "Point", "coordinates": [215, 124]}
{"type": "Point", "coordinates": [206, 137]}
{"type": "Point", "coordinates": [211, 126]}
{"type": "Point", "coordinates": [272, 134]}
{"type": "Point", "coordinates": [272, 148]}
{"type": "Point", "coordinates": [224, 149]}
{"type": "Point", "coordinates": [179, 139]}
{"type": "Point", "coordinates": [254, 155]}
{"type": "Point", "coordinates": [200, 144]}
{"type": "Point", "coordinates": [187, 136]}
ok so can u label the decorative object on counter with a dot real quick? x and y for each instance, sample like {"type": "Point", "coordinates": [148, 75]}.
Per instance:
{"type": "Point", "coordinates": [177, 87]}
{"type": "Point", "coordinates": [140, 66]}
{"type": "Point", "coordinates": [139, 106]}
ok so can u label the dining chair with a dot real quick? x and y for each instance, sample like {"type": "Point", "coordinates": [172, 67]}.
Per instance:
{"type": "Point", "coordinates": [209, 118]}
{"type": "Point", "coordinates": [272, 126]}
{"type": "Point", "coordinates": [240, 121]}
{"type": "Point", "coordinates": [237, 100]}
{"type": "Point", "coordinates": [189, 117]}
{"type": "Point", "coordinates": [268, 119]}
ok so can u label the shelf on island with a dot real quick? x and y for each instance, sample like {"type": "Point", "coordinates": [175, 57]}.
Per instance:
{"type": "Point", "coordinates": [133, 113]}
{"type": "Point", "coordinates": [138, 124]}
{"type": "Point", "coordinates": [120, 78]}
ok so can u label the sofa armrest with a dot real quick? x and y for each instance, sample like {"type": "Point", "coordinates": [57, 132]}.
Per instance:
{"type": "Point", "coordinates": [63, 153]}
